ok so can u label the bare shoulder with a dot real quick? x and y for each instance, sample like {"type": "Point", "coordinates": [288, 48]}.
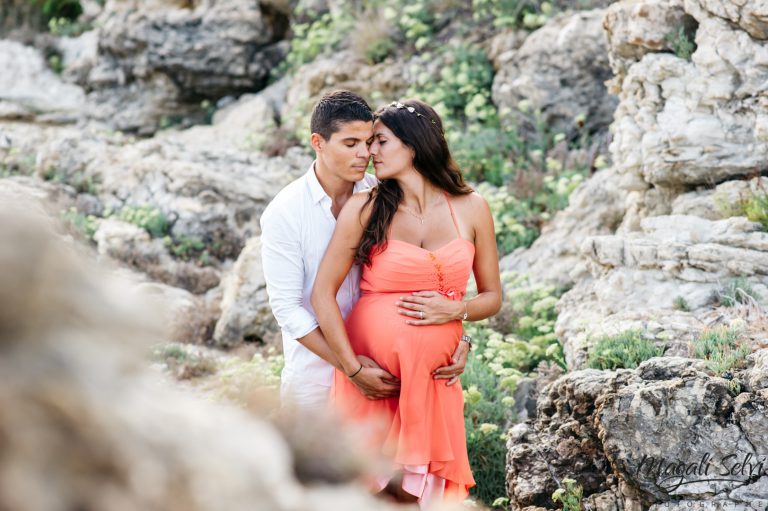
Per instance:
{"type": "Point", "coordinates": [471, 205]}
{"type": "Point", "coordinates": [358, 206]}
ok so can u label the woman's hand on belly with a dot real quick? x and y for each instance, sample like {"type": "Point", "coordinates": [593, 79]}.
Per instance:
{"type": "Point", "coordinates": [429, 308]}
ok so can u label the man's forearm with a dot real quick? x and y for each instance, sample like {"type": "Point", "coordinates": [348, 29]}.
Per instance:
{"type": "Point", "coordinates": [316, 343]}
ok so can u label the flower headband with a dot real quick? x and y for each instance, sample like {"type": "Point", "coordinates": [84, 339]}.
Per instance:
{"type": "Point", "coordinates": [399, 105]}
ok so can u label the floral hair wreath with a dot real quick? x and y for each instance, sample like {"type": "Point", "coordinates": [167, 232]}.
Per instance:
{"type": "Point", "coordinates": [399, 105]}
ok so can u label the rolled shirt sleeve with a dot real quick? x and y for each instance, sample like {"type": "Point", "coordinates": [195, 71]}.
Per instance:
{"type": "Point", "coordinates": [283, 266]}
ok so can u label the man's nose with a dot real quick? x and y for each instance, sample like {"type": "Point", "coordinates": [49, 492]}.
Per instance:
{"type": "Point", "coordinates": [363, 151]}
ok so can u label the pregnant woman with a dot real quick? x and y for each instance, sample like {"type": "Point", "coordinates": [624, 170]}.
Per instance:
{"type": "Point", "coordinates": [421, 228]}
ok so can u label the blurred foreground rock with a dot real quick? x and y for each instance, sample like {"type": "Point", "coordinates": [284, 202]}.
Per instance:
{"type": "Point", "coordinates": [86, 426]}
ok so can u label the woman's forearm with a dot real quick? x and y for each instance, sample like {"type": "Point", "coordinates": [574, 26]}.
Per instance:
{"type": "Point", "coordinates": [483, 306]}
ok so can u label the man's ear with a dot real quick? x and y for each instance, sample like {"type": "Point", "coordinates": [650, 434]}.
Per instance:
{"type": "Point", "coordinates": [317, 141]}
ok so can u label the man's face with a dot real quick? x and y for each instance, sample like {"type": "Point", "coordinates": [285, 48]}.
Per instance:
{"type": "Point", "coordinates": [346, 154]}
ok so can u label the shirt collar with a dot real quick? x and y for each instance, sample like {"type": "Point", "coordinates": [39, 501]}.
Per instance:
{"type": "Point", "coordinates": [316, 189]}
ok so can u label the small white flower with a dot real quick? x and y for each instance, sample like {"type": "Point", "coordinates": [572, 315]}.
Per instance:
{"type": "Point", "coordinates": [400, 105]}
{"type": "Point", "coordinates": [411, 109]}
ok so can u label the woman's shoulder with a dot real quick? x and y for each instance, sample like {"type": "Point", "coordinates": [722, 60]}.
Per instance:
{"type": "Point", "coordinates": [470, 201]}
{"type": "Point", "coordinates": [359, 205]}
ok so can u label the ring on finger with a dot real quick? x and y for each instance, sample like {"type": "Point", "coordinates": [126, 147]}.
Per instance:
{"type": "Point", "coordinates": [421, 314]}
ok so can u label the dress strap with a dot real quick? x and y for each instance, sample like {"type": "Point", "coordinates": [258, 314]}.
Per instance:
{"type": "Point", "coordinates": [453, 215]}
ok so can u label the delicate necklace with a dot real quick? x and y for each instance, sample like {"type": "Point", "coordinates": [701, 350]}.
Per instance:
{"type": "Point", "coordinates": [412, 212]}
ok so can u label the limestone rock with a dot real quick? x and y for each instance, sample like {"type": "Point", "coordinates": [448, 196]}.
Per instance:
{"type": "Point", "coordinates": [752, 16]}
{"type": "Point", "coordinates": [87, 425]}
{"type": "Point", "coordinates": [596, 207]}
{"type": "Point", "coordinates": [158, 63]}
{"type": "Point", "coordinates": [687, 123]}
{"type": "Point", "coordinates": [595, 426]}
{"type": "Point", "coordinates": [26, 81]}
{"type": "Point", "coordinates": [185, 315]}
{"type": "Point", "coordinates": [639, 276]}
{"type": "Point", "coordinates": [246, 314]}
{"type": "Point", "coordinates": [560, 70]}
{"type": "Point", "coordinates": [636, 28]}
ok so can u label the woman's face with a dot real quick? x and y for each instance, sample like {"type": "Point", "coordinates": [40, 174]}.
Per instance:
{"type": "Point", "coordinates": [391, 158]}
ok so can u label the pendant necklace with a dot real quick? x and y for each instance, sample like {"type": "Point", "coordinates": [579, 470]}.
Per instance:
{"type": "Point", "coordinates": [409, 210]}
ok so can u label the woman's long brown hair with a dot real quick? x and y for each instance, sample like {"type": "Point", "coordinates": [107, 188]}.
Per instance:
{"type": "Point", "coordinates": [424, 134]}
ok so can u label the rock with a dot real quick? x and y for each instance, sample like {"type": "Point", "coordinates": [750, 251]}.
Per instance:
{"type": "Point", "coordinates": [214, 195]}
{"type": "Point", "coordinates": [176, 56]}
{"type": "Point", "coordinates": [751, 16]}
{"type": "Point", "coordinates": [594, 426]}
{"type": "Point", "coordinates": [20, 16]}
{"type": "Point", "coordinates": [757, 375]}
{"type": "Point", "coordinates": [560, 70]}
{"type": "Point", "coordinates": [683, 123]}
{"type": "Point", "coordinates": [246, 314]}
{"type": "Point", "coordinates": [87, 425]}
{"type": "Point", "coordinates": [639, 276]}
{"type": "Point", "coordinates": [248, 124]}
{"type": "Point", "coordinates": [28, 83]}
{"type": "Point", "coordinates": [596, 207]}
{"type": "Point", "coordinates": [634, 29]}
{"type": "Point", "coordinates": [78, 56]}
{"type": "Point", "coordinates": [132, 245]}
{"type": "Point", "coordinates": [185, 314]}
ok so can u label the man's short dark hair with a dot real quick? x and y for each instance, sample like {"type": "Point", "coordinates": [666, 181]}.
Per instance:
{"type": "Point", "coordinates": [335, 108]}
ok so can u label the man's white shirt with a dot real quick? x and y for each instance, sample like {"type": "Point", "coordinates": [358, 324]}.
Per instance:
{"type": "Point", "coordinates": [296, 228]}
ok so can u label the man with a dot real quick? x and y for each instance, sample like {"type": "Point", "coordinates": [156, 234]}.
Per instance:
{"type": "Point", "coordinates": [296, 229]}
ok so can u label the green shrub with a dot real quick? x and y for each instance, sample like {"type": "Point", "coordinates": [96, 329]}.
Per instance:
{"type": "Point", "coordinates": [530, 14]}
{"type": "Point", "coordinates": [184, 362]}
{"type": "Point", "coordinates": [147, 217]}
{"type": "Point", "coordinates": [87, 224]}
{"type": "Point", "coordinates": [681, 304]}
{"type": "Point", "coordinates": [66, 9]}
{"type": "Point", "coordinates": [681, 43]}
{"type": "Point", "coordinates": [487, 415]}
{"type": "Point", "coordinates": [721, 348]}
{"type": "Point", "coordinates": [512, 218]}
{"type": "Point", "coordinates": [625, 350]}
{"type": "Point", "coordinates": [569, 495]}
{"type": "Point", "coordinates": [739, 290]}
{"type": "Point", "coordinates": [318, 36]}
{"type": "Point", "coordinates": [753, 205]}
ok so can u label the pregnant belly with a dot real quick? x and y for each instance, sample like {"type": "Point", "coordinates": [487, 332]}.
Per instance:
{"type": "Point", "coordinates": [376, 330]}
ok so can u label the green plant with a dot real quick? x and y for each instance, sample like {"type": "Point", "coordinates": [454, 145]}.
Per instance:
{"type": "Point", "coordinates": [511, 218]}
{"type": "Point", "coordinates": [681, 304]}
{"type": "Point", "coordinates": [316, 37]}
{"type": "Point", "coordinates": [147, 217]}
{"type": "Point", "coordinates": [188, 248]}
{"type": "Point", "coordinates": [184, 362]}
{"type": "Point", "coordinates": [625, 350]}
{"type": "Point", "coordinates": [67, 9]}
{"type": "Point", "coordinates": [512, 13]}
{"type": "Point", "coordinates": [54, 62]}
{"type": "Point", "coordinates": [87, 224]}
{"type": "Point", "coordinates": [739, 290]}
{"type": "Point", "coordinates": [67, 27]}
{"type": "Point", "coordinates": [721, 348]}
{"type": "Point", "coordinates": [681, 43]}
{"type": "Point", "coordinates": [487, 414]}
{"type": "Point", "coordinates": [753, 205]}
{"type": "Point", "coordinates": [569, 495]}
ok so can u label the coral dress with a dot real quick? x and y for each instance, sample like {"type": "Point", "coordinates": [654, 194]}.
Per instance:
{"type": "Point", "coordinates": [422, 429]}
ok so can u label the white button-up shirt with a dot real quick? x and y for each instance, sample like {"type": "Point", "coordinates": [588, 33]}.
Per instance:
{"type": "Point", "coordinates": [296, 228]}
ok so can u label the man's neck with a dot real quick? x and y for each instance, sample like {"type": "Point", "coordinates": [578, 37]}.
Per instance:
{"type": "Point", "coordinates": [336, 188]}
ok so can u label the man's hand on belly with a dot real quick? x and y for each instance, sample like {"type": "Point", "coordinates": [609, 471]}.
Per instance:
{"type": "Point", "coordinates": [452, 372]}
{"type": "Point", "coordinates": [374, 382]}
